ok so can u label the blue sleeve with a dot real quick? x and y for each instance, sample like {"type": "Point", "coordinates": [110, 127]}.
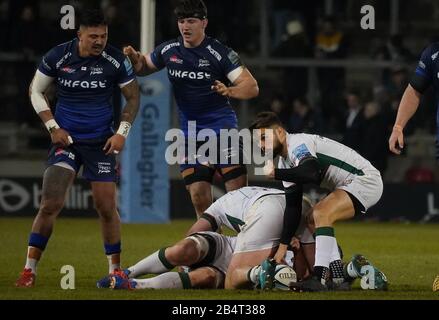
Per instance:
{"type": "Point", "coordinates": [231, 61]}
{"type": "Point", "coordinates": [126, 72]}
{"type": "Point", "coordinates": [48, 63]}
{"type": "Point", "coordinates": [425, 65]}
{"type": "Point", "coordinates": [157, 57]}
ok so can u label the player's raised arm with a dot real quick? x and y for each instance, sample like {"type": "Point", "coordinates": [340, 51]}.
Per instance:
{"type": "Point", "coordinates": [38, 86]}
{"type": "Point", "coordinates": [142, 63]}
{"type": "Point", "coordinates": [244, 86]}
{"type": "Point", "coordinates": [131, 93]}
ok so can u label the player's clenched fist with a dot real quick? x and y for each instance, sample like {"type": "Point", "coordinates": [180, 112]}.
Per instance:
{"type": "Point", "coordinates": [60, 137]}
{"type": "Point", "coordinates": [221, 88]}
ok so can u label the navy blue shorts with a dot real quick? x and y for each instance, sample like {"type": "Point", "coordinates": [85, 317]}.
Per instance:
{"type": "Point", "coordinates": [87, 153]}
{"type": "Point", "coordinates": [229, 156]}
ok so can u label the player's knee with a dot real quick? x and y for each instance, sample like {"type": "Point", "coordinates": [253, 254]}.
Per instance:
{"type": "Point", "coordinates": [182, 253]}
{"type": "Point", "coordinates": [200, 199]}
{"type": "Point", "coordinates": [319, 216]}
{"type": "Point", "coordinates": [51, 207]}
{"type": "Point", "coordinates": [106, 209]}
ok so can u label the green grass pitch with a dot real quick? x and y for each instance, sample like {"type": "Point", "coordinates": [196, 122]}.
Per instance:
{"type": "Point", "coordinates": [407, 253]}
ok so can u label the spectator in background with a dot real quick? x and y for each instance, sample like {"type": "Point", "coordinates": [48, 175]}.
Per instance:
{"type": "Point", "coordinates": [25, 35]}
{"type": "Point", "coordinates": [331, 44]}
{"type": "Point", "coordinates": [398, 82]}
{"type": "Point", "coordinates": [354, 124]}
{"type": "Point", "coordinates": [304, 118]}
{"type": "Point", "coordinates": [294, 44]}
{"type": "Point", "coordinates": [373, 146]}
{"type": "Point", "coordinates": [278, 106]}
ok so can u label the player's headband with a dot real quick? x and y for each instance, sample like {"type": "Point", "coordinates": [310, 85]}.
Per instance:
{"type": "Point", "coordinates": [196, 14]}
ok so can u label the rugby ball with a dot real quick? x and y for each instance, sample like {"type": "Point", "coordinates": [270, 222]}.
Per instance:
{"type": "Point", "coordinates": [283, 275]}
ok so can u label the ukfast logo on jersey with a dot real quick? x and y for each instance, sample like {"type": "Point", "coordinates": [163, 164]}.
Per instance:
{"type": "Point", "coordinates": [201, 75]}
{"type": "Point", "coordinates": [434, 56]}
{"type": "Point", "coordinates": [82, 84]}
{"type": "Point", "coordinates": [175, 59]}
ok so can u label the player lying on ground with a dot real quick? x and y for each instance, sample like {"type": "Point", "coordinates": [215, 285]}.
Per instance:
{"type": "Point", "coordinates": [207, 254]}
{"type": "Point", "coordinates": [257, 215]}
{"type": "Point", "coordinates": [250, 211]}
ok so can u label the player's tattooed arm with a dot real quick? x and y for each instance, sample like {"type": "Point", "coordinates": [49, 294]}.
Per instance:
{"type": "Point", "coordinates": [132, 97]}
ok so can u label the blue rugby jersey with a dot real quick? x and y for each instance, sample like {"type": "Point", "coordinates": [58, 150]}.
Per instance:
{"type": "Point", "coordinates": [428, 68]}
{"type": "Point", "coordinates": [85, 87]}
{"type": "Point", "coordinates": [192, 72]}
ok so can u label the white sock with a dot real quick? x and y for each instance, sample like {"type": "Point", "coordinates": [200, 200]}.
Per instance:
{"type": "Point", "coordinates": [324, 250]}
{"type": "Point", "coordinates": [253, 274]}
{"type": "Point", "coordinates": [31, 264]}
{"type": "Point", "coordinates": [168, 280]}
{"type": "Point", "coordinates": [150, 264]}
{"type": "Point", "coordinates": [112, 266]}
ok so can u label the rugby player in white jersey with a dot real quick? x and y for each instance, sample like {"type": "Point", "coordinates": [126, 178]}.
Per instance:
{"type": "Point", "coordinates": [354, 185]}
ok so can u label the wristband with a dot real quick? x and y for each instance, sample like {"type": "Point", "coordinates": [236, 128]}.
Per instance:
{"type": "Point", "coordinates": [51, 125]}
{"type": "Point", "coordinates": [124, 129]}
{"type": "Point", "coordinates": [397, 127]}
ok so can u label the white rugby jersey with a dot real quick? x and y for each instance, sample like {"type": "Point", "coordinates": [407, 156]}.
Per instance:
{"type": "Point", "coordinates": [231, 209]}
{"type": "Point", "coordinates": [340, 163]}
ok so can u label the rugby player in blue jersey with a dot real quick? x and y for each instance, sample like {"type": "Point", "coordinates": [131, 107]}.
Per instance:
{"type": "Point", "coordinates": [204, 75]}
{"type": "Point", "coordinates": [86, 71]}
{"type": "Point", "coordinates": [426, 74]}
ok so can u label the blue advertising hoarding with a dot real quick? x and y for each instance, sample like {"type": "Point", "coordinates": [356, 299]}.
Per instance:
{"type": "Point", "coordinates": [144, 185]}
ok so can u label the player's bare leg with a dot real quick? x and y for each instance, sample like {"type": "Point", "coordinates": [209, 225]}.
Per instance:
{"type": "Point", "coordinates": [104, 196]}
{"type": "Point", "coordinates": [236, 183]}
{"type": "Point", "coordinates": [241, 263]}
{"type": "Point", "coordinates": [335, 207]}
{"type": "Point", "coordinates": [56, 182]}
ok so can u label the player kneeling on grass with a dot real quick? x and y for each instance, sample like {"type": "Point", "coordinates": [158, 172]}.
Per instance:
{"type": "Point", "coordinates": [207, 254]}
{"type": "Point", "coordinates": [354, 186]}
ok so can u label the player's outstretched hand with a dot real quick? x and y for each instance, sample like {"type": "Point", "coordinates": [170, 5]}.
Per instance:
{"type": "Point", "coordinates": [61, 137]}
{"type": "Point", "coordinates": [396, 141]}
{"type": "Point", "coordinates": [114, 144]}
{"type": "Point", "coordinates": [134, 56]}
{"type": "Point", "coordinates": [221, 88]}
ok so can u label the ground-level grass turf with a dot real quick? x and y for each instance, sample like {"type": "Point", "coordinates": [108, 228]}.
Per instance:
{"type": "Point", "coordinates": [407, 253]}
